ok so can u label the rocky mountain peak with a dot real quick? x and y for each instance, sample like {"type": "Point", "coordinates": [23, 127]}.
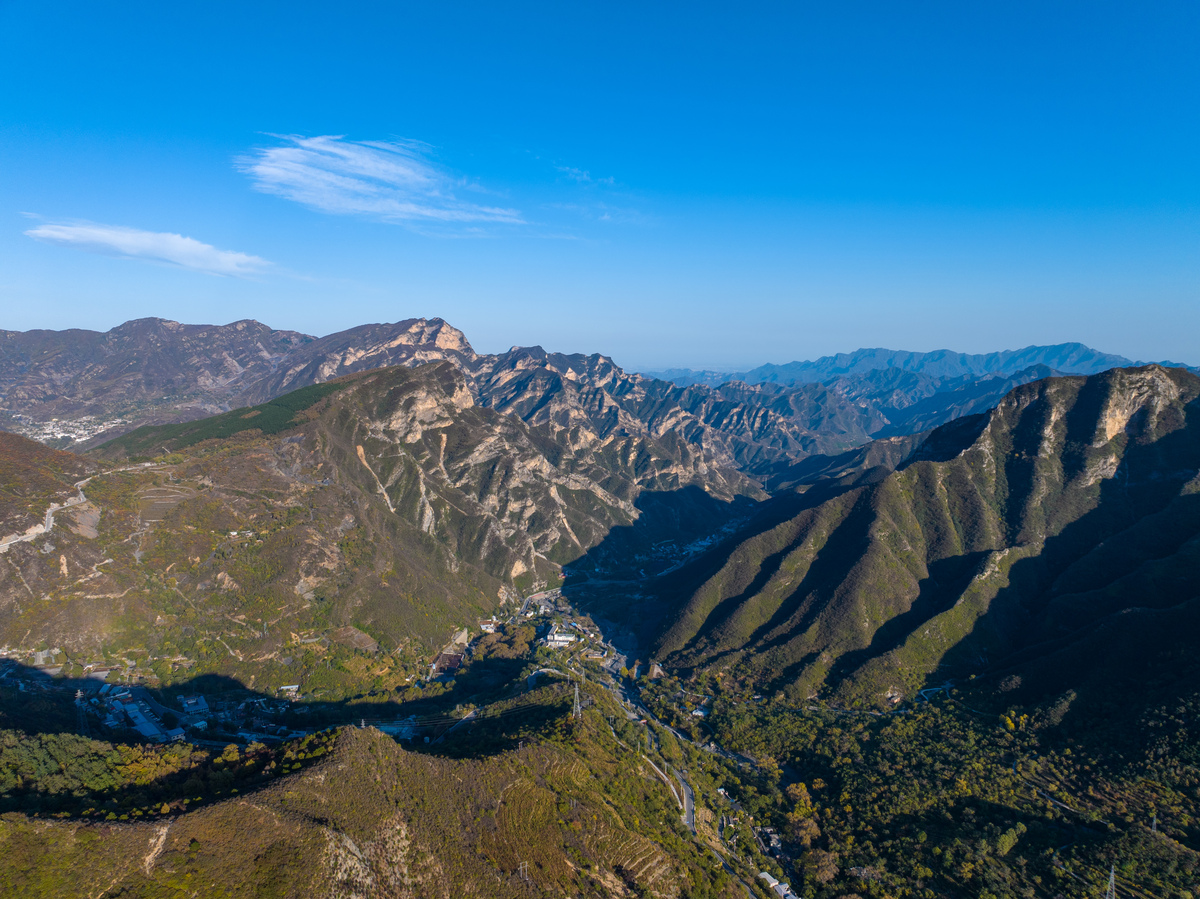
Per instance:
{"type": "Point", "coordinates": [447, 336]}
{"type": "Point", "coordinates": [1146, 393]}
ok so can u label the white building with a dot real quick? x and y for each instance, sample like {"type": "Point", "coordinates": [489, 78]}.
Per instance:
{"type": "Point", "coordinates": [782, 890]}
{"type": "Point", "coordinates": [557, 639]}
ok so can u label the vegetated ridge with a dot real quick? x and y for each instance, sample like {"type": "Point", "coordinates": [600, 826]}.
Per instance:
{"type": "Point", "coordinates": [388, 500]}
{"type": "Point", "coordinates": [1022, 538]}
{"type": "Point", "coordinates": [352, 814]}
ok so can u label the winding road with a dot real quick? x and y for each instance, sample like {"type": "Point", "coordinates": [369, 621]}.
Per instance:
{"type": "Point", "coordinates": [47, 525]}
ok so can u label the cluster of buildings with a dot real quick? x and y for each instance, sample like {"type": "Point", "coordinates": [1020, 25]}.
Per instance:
{"type": "Point", "coordinates": [560, 636]}
{"type": "Point", "coordinates": [123, 709]}
{"type": "Point", "coordinates": [57, 431]}
{"type": "Point", "coordinates": [769, 842]}
{"type": "Point", "coordinates": [445, 664]}
{"type": "Point", "coordinates": [121, 706]}
{"type": "Point", "coordinates": [44, 660]}
{"type": "Point", "coordinates": [545, 603]}
{"type": "Point", "coordinates": [252, 719]}
{"type": "Point", "coordinates": [52, 662]}
{"type": "Point", "coordinates": [255, 719]}
{"type": "Point", "coordinates": [778, 887]}
{"type": "Point", "coordinates": [196, 710]}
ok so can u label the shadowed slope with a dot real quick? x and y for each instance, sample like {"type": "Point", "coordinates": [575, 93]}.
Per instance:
{"type": "Point", "coordinates": [977, 547]}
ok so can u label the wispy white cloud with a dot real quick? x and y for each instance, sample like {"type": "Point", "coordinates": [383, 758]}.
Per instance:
{"type": "Point", "coordinates": [156, 246]}
{"type": "Point", "coordinates": [393, 181]}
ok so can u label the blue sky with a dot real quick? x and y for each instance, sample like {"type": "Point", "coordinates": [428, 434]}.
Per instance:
{"type": "Point", "coordinates": [671, 184]}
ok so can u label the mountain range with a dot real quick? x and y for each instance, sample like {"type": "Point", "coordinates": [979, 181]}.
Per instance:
{"type": "Point", "coordinates": [389, 500]}
{"type": "Point", "coordinates": [797, 570]}
{"type": "Point", "coordinates": [495, 471]}
{"type": "Point", "coordinates": [79, 388]}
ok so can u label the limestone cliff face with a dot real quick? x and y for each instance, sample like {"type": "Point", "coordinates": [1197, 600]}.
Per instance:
{"type": "Point", "coordinates": [594, 402]}
{"type": "Point", "coordinates": [410, 342]}
{"type": "Point", "coordinates": [515, 496]}
{"type": "Point", "coordinates": [1074, 499]}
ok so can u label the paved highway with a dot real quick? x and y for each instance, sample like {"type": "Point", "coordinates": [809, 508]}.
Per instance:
{"type": "Point", "coordinates": [689, 801]}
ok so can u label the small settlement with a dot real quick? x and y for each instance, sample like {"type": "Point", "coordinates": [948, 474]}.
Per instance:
{"type": "Point", "coordinates": [779, 888]}
{"type": "Point", "coordinates": [114, 695]}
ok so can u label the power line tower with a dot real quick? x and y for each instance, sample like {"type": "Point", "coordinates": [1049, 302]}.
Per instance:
{"type": "Point", "coordinates": [1111, 892]}
{"type": "Point", "coordinates": [523, 871]}
{"type": "Point", "coordinates": [577, 711]}
{"type": "Point", "coordinates": [81, 715]}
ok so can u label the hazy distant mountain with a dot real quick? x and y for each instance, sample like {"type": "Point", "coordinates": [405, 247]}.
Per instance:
{"type": "Point", "coordinates": [1068, 358]}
